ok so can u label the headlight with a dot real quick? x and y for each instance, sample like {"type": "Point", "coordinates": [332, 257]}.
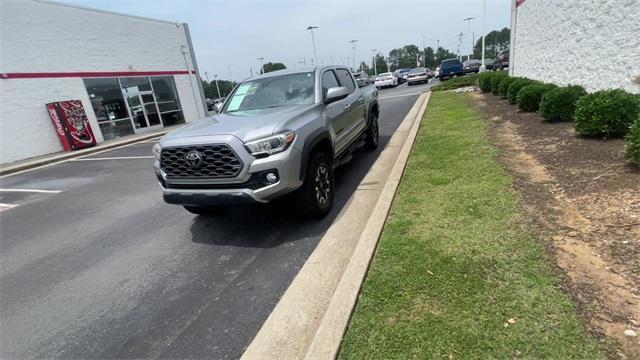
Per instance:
{"type": "Point", "coordinates": [156, 150]}
{"type": "Point", "coordinates": [270, 145]}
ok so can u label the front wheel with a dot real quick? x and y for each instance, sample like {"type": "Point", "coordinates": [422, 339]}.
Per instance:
{"type": "Point", "coordinates": [315, 197]}
{"type": "Point", "coordinates": [372, 136]}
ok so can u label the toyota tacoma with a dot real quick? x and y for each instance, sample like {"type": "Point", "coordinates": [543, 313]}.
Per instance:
{"type": "Point", "coordinates": [277, 134]}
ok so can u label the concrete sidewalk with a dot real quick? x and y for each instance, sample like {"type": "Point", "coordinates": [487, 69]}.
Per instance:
{"type": "Point", "coordinates": [14, 167]}
{"type": "Point", "coordinates": [311, 317]}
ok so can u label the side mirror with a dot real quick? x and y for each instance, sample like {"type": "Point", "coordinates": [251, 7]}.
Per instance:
{"type": "Point", "coordinates": [335, 94]}
{"type": "Point", "coordinates": [218, 107]}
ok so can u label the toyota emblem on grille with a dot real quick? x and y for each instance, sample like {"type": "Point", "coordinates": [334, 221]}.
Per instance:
{"type": "Point", "coordinates": [194, 159]}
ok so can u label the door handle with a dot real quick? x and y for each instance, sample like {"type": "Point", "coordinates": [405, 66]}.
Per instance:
{"type": "Point", "coordinates": [347, 106]}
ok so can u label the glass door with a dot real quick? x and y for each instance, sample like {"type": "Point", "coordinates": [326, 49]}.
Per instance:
{"type": "Point", "coordinates": [144, 112]}
{"type": "Point", "coordinates": [150, 109]}
{"type": "Point", "coordinates": [137, 114]}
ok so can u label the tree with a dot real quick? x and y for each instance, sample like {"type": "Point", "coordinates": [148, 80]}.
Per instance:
{"type": "Point", "coordinates": [429, 58]}
{"type": "Point", "coordinates": [405, 57]}
{"type": "Point", "coordinates": [270, 66]}
{"type": "Point", "coordinates": [443, 54]}
{"type": "Point", "coordinates": [211, 92]}
{"type": "Point", "coordinates": [364, 67]}
{"type": "Point", "coordinates": [496, 43]}
{"type": "Point", "coordinates": [380, 65]}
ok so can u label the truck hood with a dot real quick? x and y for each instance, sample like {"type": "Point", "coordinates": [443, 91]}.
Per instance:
{"type": "Point", "coordinates": [245, 125]}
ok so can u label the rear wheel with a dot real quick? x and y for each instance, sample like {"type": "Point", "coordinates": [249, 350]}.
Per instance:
{"type": "Point", "coordinates": [202, 210]}
{"type": "Point", "coordinates": [373, 133]}
{"type": "Point", "coordinates": [315, 197]}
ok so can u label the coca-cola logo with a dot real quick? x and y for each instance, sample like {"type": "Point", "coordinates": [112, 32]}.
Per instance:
{"type": "Point", "coordinates": [56, 120]}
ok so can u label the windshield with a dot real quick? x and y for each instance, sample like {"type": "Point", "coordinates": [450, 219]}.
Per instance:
{"type": "Point", "coordinates": [284, 90]}
{"type": "Point", "coordinates": [384, 75]}
{"type": "Point", "coordinates": [417, 70]}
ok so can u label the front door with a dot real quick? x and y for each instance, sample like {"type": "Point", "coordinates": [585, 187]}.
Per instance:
{"type": "Point", "coordinates": [144, 112]}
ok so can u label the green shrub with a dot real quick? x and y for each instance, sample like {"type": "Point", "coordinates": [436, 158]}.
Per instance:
{"type": "Point", "coordinates": [529, 96]}
{"type": "Point", "coordinates": [633, 143]}
{"type": "Point", "coordinates": [515, 86]}
{"type": "Point", "coordinates": [607, 113]}
{"type": "Point", "coordinates": [461, 81]}
{"type": "Point", "coordinates": [496, 80]}
{"type": "Point", "coordinates": [559, 104]}
{"type": "Point", "coordinates": [484, 80]}
{"type": "Point", "coordinates": [503, 87]}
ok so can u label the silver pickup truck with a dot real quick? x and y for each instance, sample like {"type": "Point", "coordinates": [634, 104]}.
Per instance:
{"type": "Point", "coordinates": [280, 133]}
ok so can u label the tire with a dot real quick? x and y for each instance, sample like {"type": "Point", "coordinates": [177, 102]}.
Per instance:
{"type": "Point", "coordinates": [202, 210]}
{"type": "Point", "coordinates": [372, 134]}
{"type": "Point", "coordinates": [315, 197]}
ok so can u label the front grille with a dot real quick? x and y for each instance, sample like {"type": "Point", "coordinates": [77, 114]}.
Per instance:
{"type": "Point", "coordinates": [218, 161]}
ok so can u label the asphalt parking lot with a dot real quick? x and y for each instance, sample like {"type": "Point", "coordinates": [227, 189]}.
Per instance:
{"type": "Point", "coordinates": [95, 265]}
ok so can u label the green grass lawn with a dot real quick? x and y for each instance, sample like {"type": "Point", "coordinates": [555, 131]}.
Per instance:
{"type": "Point", "coordinates": [455, 275]}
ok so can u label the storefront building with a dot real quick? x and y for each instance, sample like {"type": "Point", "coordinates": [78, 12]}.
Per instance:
{"type": "Point", "coordinates": [131, 74]}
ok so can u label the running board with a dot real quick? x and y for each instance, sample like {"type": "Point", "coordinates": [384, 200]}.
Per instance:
{"type": "Point", "coordinates": [348, 154]}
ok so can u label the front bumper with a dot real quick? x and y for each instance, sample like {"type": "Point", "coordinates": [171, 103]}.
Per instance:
{"type": "Point", "coordinates": [248, 187]}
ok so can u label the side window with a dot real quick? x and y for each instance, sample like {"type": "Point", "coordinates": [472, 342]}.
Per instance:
{"type": "Point", "coordinates": [328, 81]}
{"type": "Point", "coordinates": [345, 79]}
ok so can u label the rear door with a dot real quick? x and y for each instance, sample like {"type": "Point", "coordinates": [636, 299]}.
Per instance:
{"type": "Point", "coordinates": [336, 116]}
{"type": "Point", "coordinates": [354, 108]}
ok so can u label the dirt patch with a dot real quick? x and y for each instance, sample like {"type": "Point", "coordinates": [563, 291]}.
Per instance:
{"type": "Point", "coordinates": [583, 198]}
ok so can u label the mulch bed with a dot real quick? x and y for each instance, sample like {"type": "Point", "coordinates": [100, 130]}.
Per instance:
{"type": "Point", "coordinates": [599, 187]}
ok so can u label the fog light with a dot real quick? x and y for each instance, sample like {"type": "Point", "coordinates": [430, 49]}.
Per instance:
{"type": "Point", "coordinates": [271, 177]}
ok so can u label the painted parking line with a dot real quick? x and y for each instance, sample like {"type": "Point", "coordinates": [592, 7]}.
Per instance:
{"type": "Point", "coordinates": [71, 159]}
{"type": "Point", "coordinates": [114, 158]}
{"type": "Point", "coordinates": [4, 206]}
{"type": "Point", "coordinates": [39, 191]}
{"type": "Point", "coordinates": [401, 95]}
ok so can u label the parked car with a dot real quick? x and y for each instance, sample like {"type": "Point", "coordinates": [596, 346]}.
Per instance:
{"type": "Point", "coordinates": [362, 79]}
{"type": "Point", "coordinates": [436, 73]}
{"type": "Point", "coordinates": [279, 133]}
{"type": "Point", "coordinates": [210, 104]}
{"type": "Point", "coordinates": [418, 75]}
{"type": "Point", "coordinates": [450, 68]}
{"type": "Point", "coordinates": [502, 61]}
{"type": "Point", "coordinates": [386, 80]}
{"type": "Point", "coordinates": [402, 73]}
{"type": "Point", "coordinates": [472, 66]}
{"type": "Point", "coordinates": [488, 63]}
{"type": "Point", "coordinates": [401, 78]}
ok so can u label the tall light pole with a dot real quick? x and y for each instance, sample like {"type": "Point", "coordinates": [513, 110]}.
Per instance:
{"type": "Point", "coordinates": [353, 46]}
{"type": "Point", "coordinates": [261, 64]}
{"type": "Point", "coordinates": [484, 35]}
{"type": "Point", "coordinates": [217, 87]}
{"type": "Point", "coordinates": [424, 48]}
{"type": "Point", "coordinates": [375, 66]}
{"type": "Point", "coordinates": [229, 70]}
{"type": "Point", "coordinates": [206, 75]}
{"type": "Point", "coordinates": [459, 42]}
{"type": "Point", "coordinates": [468, 20]}
{"type": "Point", "coordinates": [313, 41]}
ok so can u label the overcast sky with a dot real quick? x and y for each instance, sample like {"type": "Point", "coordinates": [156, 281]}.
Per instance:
{"type": "Point", "coordinates": [229, 36]}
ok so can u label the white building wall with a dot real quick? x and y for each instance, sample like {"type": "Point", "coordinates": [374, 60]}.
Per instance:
{"type": "Point", "coordinates": [44, 37]}
{"type": "Point", "coordinates": [25, 127]}
{"type": "Point", "coordinates": [592, 43]}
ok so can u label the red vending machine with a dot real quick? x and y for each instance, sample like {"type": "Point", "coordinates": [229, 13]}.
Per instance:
{"type": "Point", "coordinates": [72, 124]}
